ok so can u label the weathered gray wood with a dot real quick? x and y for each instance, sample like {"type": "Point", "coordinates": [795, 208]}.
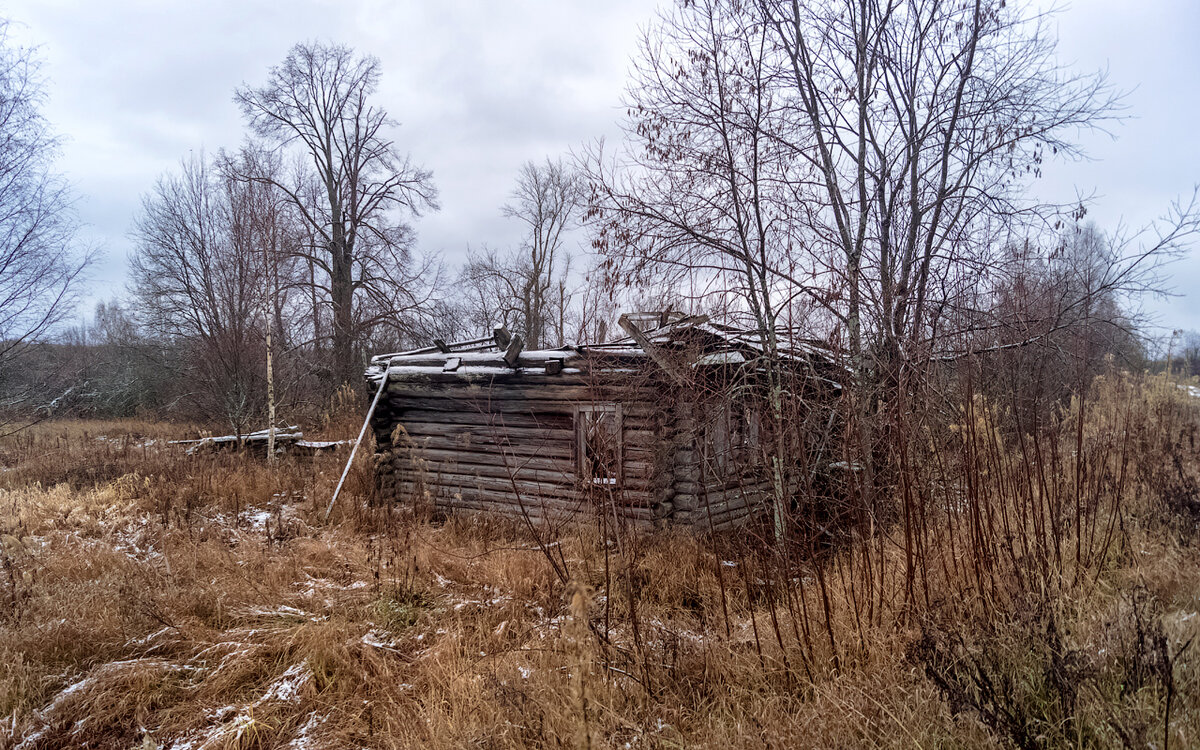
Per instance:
{"type": "Point", "coordinates": [645, 438]}
{"type": "Point", "coordinates": [366, 423]}
{"type": "Point", "coordinates": [502, 337]}
{"type": "Point", "coordinates": [481, 444]}
{"type": "Point", "coordinates": [451, 386]}
{"type": "Point", "coordinates": [438, 457]}
{"type": "Point", "coordinates": [555, 419]}
{"type": "Point", "coordinates": [513, 351]}
{"type": "Point", "coordinates": [479, 403]}
{"type": "Point", "coordinates": [464, 462]}
{"type": "Point", "coordinates": [661, 358]}
{"type": "Point", "coordinates": [505, 486]}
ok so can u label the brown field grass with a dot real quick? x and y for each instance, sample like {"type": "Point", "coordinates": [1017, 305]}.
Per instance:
{"type": "Point", "coordinates": [150, 599]}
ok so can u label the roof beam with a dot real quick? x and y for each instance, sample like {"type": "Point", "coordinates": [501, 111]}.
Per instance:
{"type": "Point", "coordinates": [655, 352]}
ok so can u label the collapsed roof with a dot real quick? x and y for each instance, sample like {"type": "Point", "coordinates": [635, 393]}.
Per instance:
{"type": "Point", "coordinates": [672, 341]}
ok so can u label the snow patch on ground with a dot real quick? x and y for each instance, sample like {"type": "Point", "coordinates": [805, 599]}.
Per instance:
{"type": "Point", "coordinates": [304, 738]}
{"type": "Point", "coordinates": [49, 715]}
{"type": "Point", "coordinates": [281, 612]}
{"type": "Point", "coordinates": [233, 723]}
{"type": "Point", "coordinates": [287, 688]}
{"type": "Point", "coordinates": [379, 639]}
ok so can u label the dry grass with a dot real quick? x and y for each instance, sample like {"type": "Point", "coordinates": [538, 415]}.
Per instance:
{"type": "Point", "coordinates": [149, 599]}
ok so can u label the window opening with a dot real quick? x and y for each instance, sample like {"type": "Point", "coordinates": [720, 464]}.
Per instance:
{"type": "Point", "coordinates": [732, 436]}
{"type": "Point", "coordinates": [599, 432]}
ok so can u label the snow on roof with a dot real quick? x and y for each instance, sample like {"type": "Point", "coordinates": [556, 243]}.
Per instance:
{"type": "Point", "coordinates": [481, 360]}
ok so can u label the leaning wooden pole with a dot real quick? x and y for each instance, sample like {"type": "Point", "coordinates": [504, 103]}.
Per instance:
{"type": "Point", "coordinates": [366, 423]}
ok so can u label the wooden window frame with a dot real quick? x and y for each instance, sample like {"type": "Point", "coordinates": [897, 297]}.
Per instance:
{"type": "Point", "coordinates": [731, 436]}
{"type": "Point", "coordinates": [582, 462]}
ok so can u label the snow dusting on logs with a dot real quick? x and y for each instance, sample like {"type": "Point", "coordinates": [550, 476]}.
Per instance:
{"type": "Point", "coordinates": [661, 426]}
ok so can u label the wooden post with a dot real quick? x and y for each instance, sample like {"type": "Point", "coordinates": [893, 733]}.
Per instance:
{"type": "Point", "coordinates": [366, 423]}
{"type": "Point", "coordinates": [267, 319]}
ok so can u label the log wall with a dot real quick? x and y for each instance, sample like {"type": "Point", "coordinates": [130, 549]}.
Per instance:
{"type": "Point", "coordinates": [509, 449]}
{"type": "Point", "coordinates": [702, 496]}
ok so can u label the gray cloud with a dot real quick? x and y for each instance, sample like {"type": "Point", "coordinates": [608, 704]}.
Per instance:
{"type": "Point", "coordinates": [478, 88]}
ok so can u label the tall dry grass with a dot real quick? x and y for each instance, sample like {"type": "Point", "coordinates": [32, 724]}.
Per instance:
{"type": "Point", "coordinates": [1040, 595]}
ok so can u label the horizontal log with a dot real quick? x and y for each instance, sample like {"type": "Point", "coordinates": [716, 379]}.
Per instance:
{"type": "Point", "coordinates": [558, 478]}
{"type": "Point", "coordinates": [425, 443]}
{"type": "Point", "coordinates": [642, 408]}
{"type": "Point", "coordinates": [633, 433]}
{"type": "Point", "coordinates": [436, 458]}
{"type": "Point", "coordinates": [486, 419]}
{"type": "Point", "coordinates": [489, 455]}
{"type": "Point", "coordinates": [720, 510]}
{"type": "Point", "coordinates": [532, 502]}
{"type": "Point", "coordinates": [630, 437]}
{"type": "Point", "coordinates": [491, 465]}
{"type": "Point", "coordinates": [446, 473]}
{"type": "Point", "coordinates": [504, 487]}
{"type": "Point", "coordinates": [730, 498]}
{"type": "Point", "coordinates": [702, 490]}
{"type": "Point", "coordinates": [704, 521]}
{"type": "Point", "coordinates": [435, 451]}
{"type": "Point", "coordinates": [454, 431]}
{"type": "Point", "coordinates": [684, 502]}
{"type": "Point", "coordinates": [578, 392]}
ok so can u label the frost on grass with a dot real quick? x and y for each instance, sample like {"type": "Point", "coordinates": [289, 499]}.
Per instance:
{"type": "Point", "coordinates": [305, 739]}
{"type": "Point", "coordinates": [236, 725]}
{"type": "Point", "coordinates": [93, 698]}
{"type": "Point", "coordinates": [287, 688]}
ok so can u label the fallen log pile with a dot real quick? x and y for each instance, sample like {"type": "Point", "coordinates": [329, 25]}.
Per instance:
{"type": "Point", "coordinates": [287, 440]}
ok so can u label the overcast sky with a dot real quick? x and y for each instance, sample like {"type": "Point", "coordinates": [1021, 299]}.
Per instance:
{"type": "Point", "coordinates": [480, 87]}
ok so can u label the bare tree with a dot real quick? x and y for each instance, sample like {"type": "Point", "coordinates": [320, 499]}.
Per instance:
{"type": "Point", "coordinates": [701, 199]}
{"type": "Point", "coordinates": [528, 287]}
{"type": "Point", "coordinates": [922, 124]}
{"type": "Point", "coordinates": [199, 281]}
{"type": "Point", "coordinates": [39, 265]}
{"type": "Point", "coordinates": [263, 212]}
{"type": "Point", "coordinates": [353, 194]}
{"type": "Point", "coordinates": [863, 161]}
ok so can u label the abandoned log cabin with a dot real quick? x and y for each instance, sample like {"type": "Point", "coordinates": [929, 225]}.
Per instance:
{"type": "Point", "coordinates": [663, 426]}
